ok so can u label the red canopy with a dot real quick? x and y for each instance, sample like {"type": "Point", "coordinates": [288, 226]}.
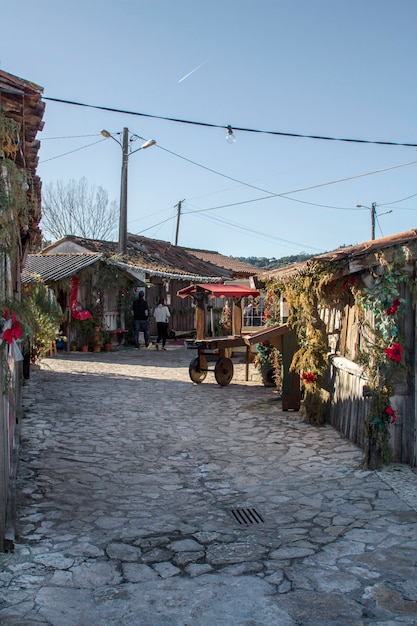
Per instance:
{"type": "Point", "coordinates": [219, 291]}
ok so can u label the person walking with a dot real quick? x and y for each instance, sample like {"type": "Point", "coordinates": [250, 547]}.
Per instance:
{"type": "Point", "coordinates": [161, 315]}
{"type": "Point", "coordinates": [141, 319]}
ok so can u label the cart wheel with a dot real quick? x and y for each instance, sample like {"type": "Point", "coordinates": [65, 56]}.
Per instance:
{"type": "Point", "coordinates": [223, 371]}
{"type": "Point", "coordinates": [198, 369]}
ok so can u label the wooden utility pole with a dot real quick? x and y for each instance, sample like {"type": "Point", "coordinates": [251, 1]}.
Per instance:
{"type": "Point", "coordinates": [123, 194]}
{"type": "Point", "coordinates": [126, 152]}
{"type": "Point", "coordinates": [178, 221]}
{"type": "Point", "coordinates": [373, 218]}
{"type": "Point", "coordinates": [372, 209]}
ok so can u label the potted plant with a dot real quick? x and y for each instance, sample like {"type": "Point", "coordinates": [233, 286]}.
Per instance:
{"type": "Point", "coordinates": [107, 340]}
{"type": "Point", "coordinates": [96, 333]}
{"type": "Point", "coordinates": [268, 362]}
{"type": "Point", "coordinates": [84, 330]}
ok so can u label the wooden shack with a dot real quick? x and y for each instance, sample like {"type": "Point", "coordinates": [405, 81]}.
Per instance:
{"type": "Point", "coordinates": [354, 313]}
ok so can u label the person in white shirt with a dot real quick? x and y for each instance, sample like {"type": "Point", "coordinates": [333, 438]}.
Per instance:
{"type": "Point", "coordinates": [161, 315]}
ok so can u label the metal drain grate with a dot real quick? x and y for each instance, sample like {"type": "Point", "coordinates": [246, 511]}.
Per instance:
{"type": "Point", "coordinates": [247, 516]}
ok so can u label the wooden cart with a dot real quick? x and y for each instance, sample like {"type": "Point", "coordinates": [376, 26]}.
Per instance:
{"type": "Point", "coordinates": [218, 351]}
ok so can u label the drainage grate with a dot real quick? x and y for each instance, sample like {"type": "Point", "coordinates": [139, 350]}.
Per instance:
{"type": "Point", "coordinates": [247, 516]}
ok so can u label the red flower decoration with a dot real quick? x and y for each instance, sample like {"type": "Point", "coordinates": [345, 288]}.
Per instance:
{"type": "Point", "coordinates": [15, 331]}
{"type": "Point", "coordinates": [393, 308]}
{"type": "Point", "coordinates": [391, 413]}
{"type": "Point", "coordinates": [309, 377]}
{"type": "Point", "coordinates": [395, 352]}
{"type": "Point", "coordinates": [349, 282]}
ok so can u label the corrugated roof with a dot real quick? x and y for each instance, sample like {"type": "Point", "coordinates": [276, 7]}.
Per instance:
{"type": "Point", "coordinates": [56, 266]}
{"type": "Point", "coordinates": [107, 249]}
{"type": "Point", "coordinates": [134, 269]}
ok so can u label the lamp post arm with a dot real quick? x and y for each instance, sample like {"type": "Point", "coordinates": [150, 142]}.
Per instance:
{"type": "Point", "coordinates": [147, 144]}
{"type": "Point", "coordinates": [108, 135]}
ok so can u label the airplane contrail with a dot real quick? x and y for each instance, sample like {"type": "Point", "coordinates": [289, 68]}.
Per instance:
{"type": "Point", "coordinates": [192, 71]}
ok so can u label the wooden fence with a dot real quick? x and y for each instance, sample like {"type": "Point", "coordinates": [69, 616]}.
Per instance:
{"type": "Point", "coordinates": [348, 407]}
{"type": "Point", "coordinates": [10, 407]}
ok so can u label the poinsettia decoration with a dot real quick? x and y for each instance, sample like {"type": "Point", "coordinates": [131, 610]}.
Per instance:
{"type": "Point", "coordinates": [393, 415]}
{"type": "Point", "coordinates": [395, 352]}
{"type": "Point", "coordinates": [309, 377]}
{"type": "Point", "coordinates": [11, 333]}
{"type": "Point", "coordinates": [12, 330]}
{"type": "Point", "coordinates": [393, 308]}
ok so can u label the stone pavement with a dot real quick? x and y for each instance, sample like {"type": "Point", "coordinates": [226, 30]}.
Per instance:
{"type": "Point", "coordinates": [144, 499]}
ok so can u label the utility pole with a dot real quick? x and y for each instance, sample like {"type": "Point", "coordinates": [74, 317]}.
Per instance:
{"type": "Point", "coordinates": [372, 209]}
{"type": "Point", "coordinates": [123, 194]}
{"type": "Point", "coordinates": [373, 218]}
{"type": "Point", "coordinates": [178, 221]}
{"type": "Point", "coordinates": [126, 152]}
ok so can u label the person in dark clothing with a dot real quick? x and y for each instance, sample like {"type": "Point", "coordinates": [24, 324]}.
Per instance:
{"type": "Point", "coordinates": [141, 319]}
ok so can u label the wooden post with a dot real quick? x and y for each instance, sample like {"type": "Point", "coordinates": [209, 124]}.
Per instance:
{"type": "Point", "coordinates": [291, 392]}
{"type": "Point", "coordinates": [237, 316]}
{"type": "Point", "coordinates": [200, 316]}
{"type": "Point", "coordinates": [248, 350]}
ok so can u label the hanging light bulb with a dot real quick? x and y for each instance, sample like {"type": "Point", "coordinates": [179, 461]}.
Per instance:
{"type": "Point", "coordinates": [230, 138]}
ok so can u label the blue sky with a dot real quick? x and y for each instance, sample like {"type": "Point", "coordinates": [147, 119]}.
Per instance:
{"type": "Point", "coordinates": [309, 67]}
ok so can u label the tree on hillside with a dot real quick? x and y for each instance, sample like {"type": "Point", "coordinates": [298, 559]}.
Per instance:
{"type": "Point", "coordinates": [270, 264]}
{"type": "Point", "coordinates": [77, 208]}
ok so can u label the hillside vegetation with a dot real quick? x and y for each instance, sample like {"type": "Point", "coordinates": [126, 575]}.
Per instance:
{"type": "Point", "coordinates": [272, 264]}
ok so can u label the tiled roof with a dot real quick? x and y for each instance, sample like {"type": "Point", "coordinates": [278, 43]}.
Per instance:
{"type": "Point", "coordinates": [150, 261]}
{"type": "Point", "coordinates": [56, 266]}
{"type": "Point", "coordinates": [179, 257]}
{"type": "Point", "coordinates": [350, 254]}
{"type": "Point", "coordinates": [369, 246]}
{"type": "Point", "coordinates": [238, 268]}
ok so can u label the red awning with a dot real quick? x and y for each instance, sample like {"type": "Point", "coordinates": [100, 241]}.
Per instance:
{"type": "Point", "coordinates": [219, 291]}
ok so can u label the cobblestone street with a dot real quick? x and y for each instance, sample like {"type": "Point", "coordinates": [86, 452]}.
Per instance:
{"type": "Point", "coordinates": [144, 499]}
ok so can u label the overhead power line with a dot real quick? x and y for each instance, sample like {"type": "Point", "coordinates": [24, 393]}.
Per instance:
{"type": "Point", "coordinates": [272, 194]}
{"type": "Point", "coordinates": [287, 193]}
{"type": "Point", "coordinates": [280, 195]}
{"type": "Point", "coordinates": [228, 126]}
{"type": "Point", "coordinates": [255, 233]}
{"type": "Point", "coordinates": [58, 156]}
{"type": "Point", "coordinates": [69, 137]}
{"type": "Point", "coordinates": [396, 201]}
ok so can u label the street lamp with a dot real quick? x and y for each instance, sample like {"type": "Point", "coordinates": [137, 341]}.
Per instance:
{"type": "Point", "coordinates": [126, 153]}
{"type": "Point", "coordinates": [372, 209]}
